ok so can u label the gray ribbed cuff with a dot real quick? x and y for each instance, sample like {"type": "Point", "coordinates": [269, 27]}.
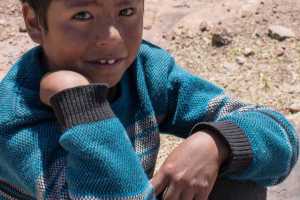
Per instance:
{"type": "Point", "coordinates": [240, 148]}
{"type": "Point", "coordinates": [80, 105]}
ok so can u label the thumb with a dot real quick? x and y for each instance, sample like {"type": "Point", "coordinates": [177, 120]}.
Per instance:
{"type": "Point", "coordinates": [159, 182]}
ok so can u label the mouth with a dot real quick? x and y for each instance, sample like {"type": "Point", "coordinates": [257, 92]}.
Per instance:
{"type": "Point", "coordinates": [105, 63]}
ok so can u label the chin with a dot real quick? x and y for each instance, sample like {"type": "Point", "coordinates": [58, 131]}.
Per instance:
{"type": "Point", "coordinates": [109, 83]}
{"type": "Point", "coordinates": [113, 84]}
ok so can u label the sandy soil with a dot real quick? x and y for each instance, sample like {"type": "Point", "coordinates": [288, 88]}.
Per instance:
{"type": "Point", "coordinates": [253, 67]}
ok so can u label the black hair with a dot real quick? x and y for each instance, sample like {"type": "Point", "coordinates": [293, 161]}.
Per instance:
{"type": "Point", "coordinates": [40, 8]}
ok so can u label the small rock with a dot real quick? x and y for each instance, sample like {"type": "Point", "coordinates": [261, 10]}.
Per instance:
{"type": "Point", "coordinates": [22, 29]}
{"type": "Point", "coordinates": [214, 53]}
{"type": "Point", "coordinates": [280, 52]}
{"type": "Point", "coordinates": [248, 52]}
{"type": "Point", "coordinates": [221, 37]}
{"type": "Point", "coordinates": [245, 14]}
{"type": "Point", "coordinates": [2, 22]}
{"type": "Point", "coordinates": [265, 20]}
{"type": "Point", "coordinates": [227, 66]}
{"type": "Point", "coordinates": [206, 40]}
{"type": "Point", "coordinates": [280, 33]}
{"type": "Point", "coordinates": [294, 108]}
{"type": "Point", "coordinates": [240, 60]}
{"type": "Point", "coordinates": [148, 27]}
{"type": "Point", "coordinates": [257, 34]}
{"type": "Point", "coordinates": [230, 66]}
{"type": "Point", "coordinates": [203, 26]}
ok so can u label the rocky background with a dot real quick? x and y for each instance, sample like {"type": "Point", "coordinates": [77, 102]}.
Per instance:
{"type": "Point", "coordinates": [249, 47]}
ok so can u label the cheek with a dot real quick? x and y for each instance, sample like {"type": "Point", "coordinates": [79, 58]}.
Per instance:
{"type": "Point", "coordinates": [66, 44]}
{"type": "Point", "coordinates": [135, 28]}
{"type": "Point", "coordinates": [74, 35]}
{"type": "Point", "coordinates": [133, 35]}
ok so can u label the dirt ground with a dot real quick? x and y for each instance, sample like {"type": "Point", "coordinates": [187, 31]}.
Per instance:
{"type": "Point", "coordinates": [253, 66]}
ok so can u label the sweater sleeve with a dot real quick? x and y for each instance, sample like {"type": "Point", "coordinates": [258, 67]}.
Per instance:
{"type": "Point", "coordinates": [264, 145]}
{"type": "Point", "coordinates": [94, 158]}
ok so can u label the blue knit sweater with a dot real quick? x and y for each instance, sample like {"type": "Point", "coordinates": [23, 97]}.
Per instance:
{"type": "Point", "coordinates": [86, 147]}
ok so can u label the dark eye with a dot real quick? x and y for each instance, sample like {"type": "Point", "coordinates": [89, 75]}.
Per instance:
{"type": "Point", "coordinates": [127, 12]}
{"type": "Point", "coordinates": [83, 16]}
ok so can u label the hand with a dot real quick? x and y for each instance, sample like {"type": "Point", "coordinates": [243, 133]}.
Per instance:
{"type": "Point", "coordinates": [190, 171]}
{"type": "Point", "coordinates": [58, 81]}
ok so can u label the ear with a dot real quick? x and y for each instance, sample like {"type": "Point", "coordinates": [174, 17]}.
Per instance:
{"type": "Point", "coordinates": [33, 26]}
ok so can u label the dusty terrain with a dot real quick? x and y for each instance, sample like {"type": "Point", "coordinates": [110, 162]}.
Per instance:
{"type": "Point", "coordinates": [250, 64]}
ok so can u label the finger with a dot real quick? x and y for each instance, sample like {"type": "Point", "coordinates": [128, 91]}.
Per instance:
{"type": "Point", "coordinates": [172, 193]}
{"type": "Point", "coordinates": [159, 182]}
{"type": "Point", "coordinates": [201, 196]}
{"type": "Point", "coordinates": [188, 194]}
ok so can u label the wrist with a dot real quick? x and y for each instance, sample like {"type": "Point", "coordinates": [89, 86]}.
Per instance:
{"type": "Point", "coordinates": [221, 146]}
{"type": "Point", "coordinates": [240, 153]}
{"type": "Point", "coordinates": [80, 105]}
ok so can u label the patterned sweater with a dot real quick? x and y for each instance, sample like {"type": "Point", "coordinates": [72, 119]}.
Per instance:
{"type": "Point", "coordinates": [87, 147]}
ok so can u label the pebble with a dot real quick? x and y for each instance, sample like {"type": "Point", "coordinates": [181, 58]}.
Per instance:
{"type": "Point", "coordinates": [280, 33]}
{"type": "Point", "coordinates": [230, 66]}
{"type": "Point", "coordinates": [248, 52]}
{"type": "Point", "coordinates": [245, 14]}
{"type": "Point", "coordinates": [2, 22]}
{"type": "Point", "coordinates": [280, 52]}
{"type": "Point", "coordinates": [147, 27]}
{"type": "Point", "coordinates": [265, 20]}
{"type": "Point", "coordinates": [240, 60]}
{"type": "Point", "coordinates": [22, 29]}
{"type": "Point", "coordinates": [221, 37]}
{"type": "Point", "coordinates": [203, 26]}
{"type": "Point", "coordinates": [257, 34]}
{"type": "Point", "coordinates": [294, 108]}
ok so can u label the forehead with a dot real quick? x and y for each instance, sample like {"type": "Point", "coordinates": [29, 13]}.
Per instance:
{"type": "Point", "coordinates": [79, 3]}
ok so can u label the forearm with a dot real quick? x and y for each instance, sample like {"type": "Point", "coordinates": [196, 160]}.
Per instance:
{"type": "Point", "coordinates": [274, 143]}
{"type": "Point", "coordinates": [100, 154]}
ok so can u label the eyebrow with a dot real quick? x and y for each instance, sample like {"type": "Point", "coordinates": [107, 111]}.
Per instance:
{"type": "Point", "coordinates": [126, 2]}
{"type": "Point", "coordinates": [79, 3]}
{"type": "Point", "coordinates": [82, 3]}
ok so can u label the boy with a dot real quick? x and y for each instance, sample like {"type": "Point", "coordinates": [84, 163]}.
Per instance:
{"type": "Point", "coordinates": [81, 113]}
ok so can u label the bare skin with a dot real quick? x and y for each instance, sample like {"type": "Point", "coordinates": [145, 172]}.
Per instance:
{"type": "Point", "coordinates": [55, 82]}
{"type": "Point", "coordinates": [101, 32]}
{"type": "Point", "coordinates": [191, 170]}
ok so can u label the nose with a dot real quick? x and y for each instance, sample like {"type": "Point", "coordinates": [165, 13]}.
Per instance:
{"type": "Point", "coordinates": [108, 36]}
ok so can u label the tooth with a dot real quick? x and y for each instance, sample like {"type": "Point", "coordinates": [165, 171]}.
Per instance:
{"type": "Point", "coordinates": [103, 61]}
{"type": "Point", "coordinates": [111, 61]}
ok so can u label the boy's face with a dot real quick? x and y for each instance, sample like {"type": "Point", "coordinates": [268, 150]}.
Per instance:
{"type": "Point", "coordinates": [97, 38]}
